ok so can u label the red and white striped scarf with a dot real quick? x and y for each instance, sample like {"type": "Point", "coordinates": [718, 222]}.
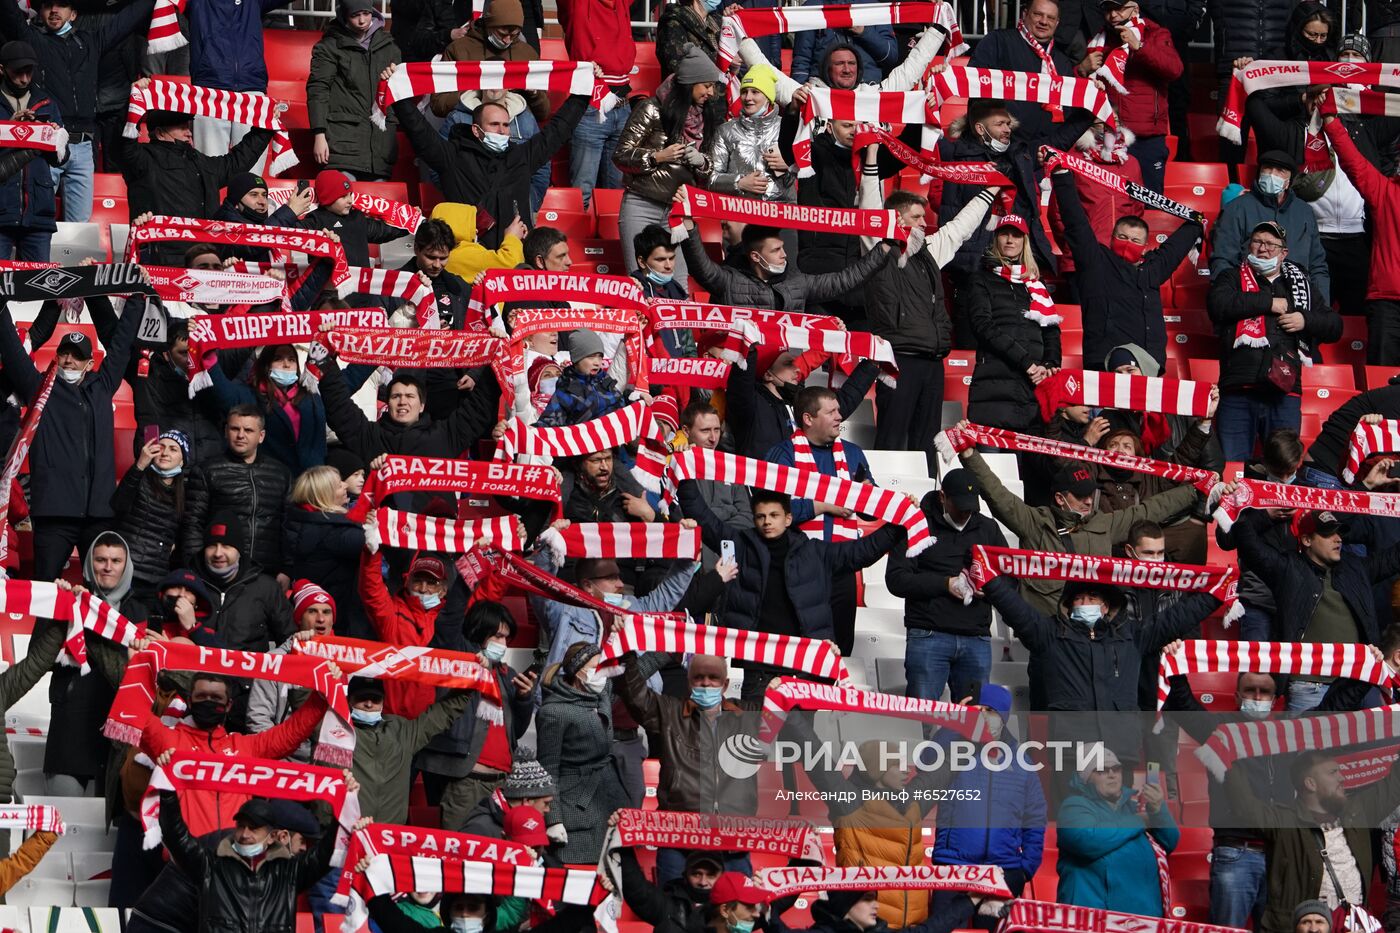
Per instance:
{"type": "Point", "coordinates": [1266, 74]}
{"type": "Point", "coordinates": [18, 453]}
{"type": "Point", "coordinates": [394, 873]}
{"type": "Point", "coordinates": [842, 529]}
{"type": "Point", "coordinates": [279, 240]}
{"type": "Point", "coordinates": [1115, 60]}
{"type": "Point", "coordinates": [575, 440]}
{"type": "Point", "coordinates": [740, 328]}
{"type": "Point", "coordinates": [241, 775]}
{"type": "Point", "coordinates": [1096, 173]}
{"type": "Point", "coordinates": [1053, 92]}
{"type": "Point", "coordinates": [977, 880]}
{"type": "Point", "coordinates": [952, 440]}
{"type": "Point", "coordinates": [644, 632]}
{"type": "Point", "coordinates": [1312, 659]}
{"type": "Point", "coordinates": [1042, 306]}
{"type": "Point", "coordinates": [654, 451]}
{"type": "Point", "coordinates": [1253, 331]}
{"type": "Point", "coordinates": [507, 285]}
{"type": "Point", "coordinates": [252, 109]}
{"type": "Point", "coordinates": [164, 34]}
{"type": "Point", "coordinates": [793, 693]}
{"type": "Point", "coordinates": [131, 710]}
{"type": "Point", "coordinates": [861, 498]}
{"type": "Point", "coordinates": [416, 79]}
{"type": "Point", "coordinates": [435, 667]}
{"type": "Point", "coordinates": [1369, 439]}
{"type": "Point", "coordinates": [773, 21]}
{"type": "Point", "coordinates": [464, 477]}
{"type": "Point", "coordinates": [626, 540]}
{"type": "Point", "coordinates": [36, 817]}
{"type": "Point", "coordinates": [864, 105]}
{"type": "Point", "coordinates": [83, 612]}
{"type": "Point", "coordinates": [697, 203]}
{"type": "Point", "coordinates": [1256, 494]}
{"type": "Point", "coordinates": [848, 347]}
{"type": "Point", "coordinates": [1369, 103]}
{"type": "Point", "coordinates": [394, 213]}
{"type": "Point", "coordinates": [1047, 63]}
{"type": "Point", "coordinates": [377, 838]}
{"type": "Point", "coordinates": [526, 322]}
{"type": "Point", "coordinates": [26, 134]}
{"type": "Point", "coordinates": [402, 284]}
{"type": "Point", "coordinates": [1266, 737]}
{"type": "Point", "coordinates": [1123, 391]}
{"type": "Point", "coordinates": [419, 532]}
{"type": "Point", "coordinates": [1027, 916]}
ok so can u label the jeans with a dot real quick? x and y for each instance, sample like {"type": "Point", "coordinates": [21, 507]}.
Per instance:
{"type": "Point", "coordinates": [24, 244]}
{"type": "Point", "coordinates": [591, 152]}
{"type": "Point", "coordinates": [1319, 479]}
{"type": "Point", "coordinates": [1304, 695]}
{"type": "Point", "coordinates": [1238, 886]}
{"type": "Point", "coordinates": [670, 863]}
{"type": "Point", "coordinates": [1246, 417]}
{"type": "Point", "coordinates": [934, 660]}
{"type": "Point", "coordinates": [1151, 153]}
{"type": "Point", "coordinates": [75, 179]}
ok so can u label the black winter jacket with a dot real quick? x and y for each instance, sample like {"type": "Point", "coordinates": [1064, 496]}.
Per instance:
{"type": "Point", "coordinates": [357, 230]}
{"type": "Point", "coordinates": [423, 28]}
{"type": "Point", "coordinates": [324, 547]}
{"type": "Point", "coordinates": [340, 86]}
{"type": "Point", "coordinates": [498, 183]}
{"type": "Point", "coordinates": [284, 216]}
{"type": "Point", "coordinates": [810, 566]}
{"type": "Point", "coordinates": [761, 421]}
{"type": "Point", "coordinates": [1121, 303]}
{"type": "Point", "coordinates": [1095, 672]}
{"type": "Point", "coordinates": [923, 580]}
{"type": "Point", "coordinates": [68, 64]}
{"type": "Point", "coordinates": [1297, 582]}
{"type": "Point", "coordinates": [1329, 451]}
{"type": "Point", "coordinates": [249, 613]}
{"type": "Point", "coordinates": [669, 907]}
{"type": "Point", "coordinates": [367, 439]}
{"type": "Point", "coordinates": [1008, 344]}
{"type": "Point", "coordinates": [1248, 367]}
{"type": "Point", "coordinates": [1246, 29]}
{"type": "Point", "coordinates": [235, 897]}
{"type": "Point", "coordinates": [257, 492]}
{"type": "Point", "coordinates": [795, 290]}
{"type": "Point", "coordinates": [72, 471]}
{"type": "Point", "coordinates": [177, 180]}
{"type": "Point", "coordinates": [148, 517]}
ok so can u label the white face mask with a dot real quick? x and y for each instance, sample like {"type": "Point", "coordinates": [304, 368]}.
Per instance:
{"type": "Point", "coordinates": [772, 269]}
{"type": "Point", "coordinates": [595, 680]}
{"type": "Point", "coordinates": [72, 376]}
{"type": "Point", "coordinates": [250, 851]}
{"type": "Point", "coordinates": [496, 142]}
{"type": "Point", "coordinates": [997, 145]}
{"type": "Point", "coordinates": [467, 925]}
{"type": "Point", "coordinates": [958, 525]}
{"type": "Point", "coordinates": [1256, 709]}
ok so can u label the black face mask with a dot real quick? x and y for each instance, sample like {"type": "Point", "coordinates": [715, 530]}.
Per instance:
{"type": "Point", "coordinates": [246, 211]}
{"type": "Point", "coordinates": [788, 392]}
{"type": "Point", "coordinates": [207, 714]}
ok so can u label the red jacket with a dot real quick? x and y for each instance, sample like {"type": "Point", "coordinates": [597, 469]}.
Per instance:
{"type": "Point", "coordinates": [1382, 197]}
{"type": "Point", "coordinates": [204, 810]}
{"type": "Point", "coordinates": [399, 620]}
{"type": "Point", "coordinates": [1103, 205]}
{"type": "Point", "coordinates": [1150, 69]}
{"type": "Point", "coordinates": [600, 31]}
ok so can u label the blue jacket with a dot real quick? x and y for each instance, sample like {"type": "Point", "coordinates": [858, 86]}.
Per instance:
{"type": "Point", "coordinates": [299, 451]}
{"type": "Point", "coordinates": [1003, 822]}
{"type": "Point", "coordinates": [226, 43]}
{"type": "Point", "coordinates": [1106, 859]}
{"type": "Point", "coordinates": [579, 398]}
{"type": "Point", "coordinates": [27, 199]}
{"type": "Point", "coordinates": [825, 461]}
{"type": "Point", "coordinates": [877, 52]}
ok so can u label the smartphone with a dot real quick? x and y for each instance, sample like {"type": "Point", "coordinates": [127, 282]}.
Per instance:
{"type": "Point", "coordinates": [1154, 773]}
{"type": "Point", "coordinates": [303, 184]}
{"type": "Point", "coordinates": [726, 550]}
{"type": "Point", "coordinates": [150, 433]}
{"type": "Point", "coordinates": [1394, 471]}
{"type": "Point", "coordinates": [975, 692]}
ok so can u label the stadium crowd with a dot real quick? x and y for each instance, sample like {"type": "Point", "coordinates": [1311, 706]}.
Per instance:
{"type": "Point", "coordinates": [392, 563]}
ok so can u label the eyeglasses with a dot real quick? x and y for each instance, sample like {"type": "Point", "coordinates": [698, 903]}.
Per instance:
{"type": "Point", "coordinates": [1265, 247]}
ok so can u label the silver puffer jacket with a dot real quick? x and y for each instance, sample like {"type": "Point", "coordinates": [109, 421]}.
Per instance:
{"type": "Point", "coordinates": [739, 147]}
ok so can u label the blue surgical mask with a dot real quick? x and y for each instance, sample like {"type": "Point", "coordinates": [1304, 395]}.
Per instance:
{"type": "Point", "coordinates": [250, 851]}
{"type": "Point", "coordinates": [706, 697]}
{"type": "Point", "coordinates": [67, 28]}
{"type": "Point", "coordinates": [1256, 709]}
{"type": "Point", "coordinates": [615, 599]}
{"type": "Point", "coordinates": [712, 5]}
{"type": "Point", "coordinates": [1089, 615]}
{"type": "Point", "coordinates": [660, 278]}
{"type": "Point", "coordinates": [366, 717]}
{"type": "Point", "coordinates": [173, 471]}
{"type": "Point", "coordinates": [1270, 184]}
{"type": "Point", "coordinates": [494, 651]}
{"type": "Point", "coordinates": [429, 600]}
{"type": "Point", "coordinates": [1260, 264]}
{"type": "Point", "coordinates": [741, 926]}
{"type": "Point", "coordinates": [467, 925]}
{"type": "Point", "coordinates": [283, 377]}
{"type": "Point", "coordinates": [496, 142]}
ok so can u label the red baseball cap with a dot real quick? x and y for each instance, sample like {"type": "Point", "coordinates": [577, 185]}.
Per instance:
{"type": "Point", "coordinates": [428, 567]}
{"type": "Point", "coordinates": [736, 886]}
{"type": "Point", "coordinates": [525, 825]}
{"type": "Point", "coordinates": [1015, 221]}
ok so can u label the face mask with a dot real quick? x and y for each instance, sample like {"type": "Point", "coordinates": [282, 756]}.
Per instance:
{"type": "Point", "coordinates": [615, 599]}
{"type": "Point", "coordinates": [173, 471]}
{"type": "Point", "coordinates": [1127, 250]}
{"type": "Point", "coordinates": [467, 925]}
{"type": "Point", "coordinates": [1284, 480]}
{"type": "Point", "coordinates": [741, 926]}
{"type": "Point", "coordinates": [226, 574]}
{"type": "Point", "coordinates": [491, 38]}
{"type": "Point", "coordinates": [496, 142]}
{"type": "Point", "coordinates": [250, 851]}
{"type": "Point", "coordinates": [788, 392]}
{"type": "Point", "coordinates": [71, 376]}
{"type": "Point", "coordinates": [958, 525]}
{"type": "Point", "coordinates": [992, 723]}
{"type": "Point", "coordinates": [772, 269]}
{"type": "Point", "coordinates": [1089, 615]}
{"type": "Point", "coordinates": [1260, 264]}
{"type": "Point", "coordinates": [660, 278]}
{"type": "Point", "coordinates": [706, 697]}
{"type": "Point", "coordinates": [1256, 709]}
{"type": "Point", "coordinates": [997, 145]}
{"type": "Point", "coordinates": [67, 28]}
{"type": "Point", "coordinates": [1272, 185]}
{"type": "Point", "coordinates": [207, 713]}
{"type": "Point", "coordinates": [596, 681]}
{"type": "Point", "coordinates": [366, 717]}
{"type": "Point", "coordinates": [547, 386]}
{"type": "Point", "coordinates": [494, 651]}
{"type": "Point", "coordinates": [429, 600]}
{"type": "Point", "coordinates": [283, 377]}
{"type": "Point", "coordinates": [712, 5]}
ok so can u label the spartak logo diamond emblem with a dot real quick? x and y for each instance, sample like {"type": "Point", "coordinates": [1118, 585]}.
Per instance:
{"type": "Point", "coordinates": [21, 131]}
{"type": "Point", "coordinates": [186, 282]}
{"type": "Point", "coordinates": [1071, 385]}
{"type": "Point", "coordinates": [53, 281]}
{"type": "Point", "coordinates": [1343, 69]}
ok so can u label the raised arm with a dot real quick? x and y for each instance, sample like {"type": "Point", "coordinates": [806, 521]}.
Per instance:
{"type": "Point", "coordinates": [19, 368]}
{"type": "Point", "coordinates": [185, 850]}
{"type": "Point", "coordinates": [1007, 507]}
{"type": "Point", "coordinates": [825, 286]}
{"type": "Point", "coordinates": [20, 678]}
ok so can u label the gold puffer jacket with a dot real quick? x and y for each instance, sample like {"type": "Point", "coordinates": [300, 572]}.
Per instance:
{"type": "Point", "coordinates": [642, 136]}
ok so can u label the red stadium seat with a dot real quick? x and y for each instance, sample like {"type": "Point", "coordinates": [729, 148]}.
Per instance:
{"type": "Point", "coordinates": [1204, 370]}
{"type": "Point", "coordinates": [957, 375]}
{"type": "Point", "coordinates": [1321, 401]}
{"type": "Point", "coordinates": [291, 92]}
{"type": "Point", "coordinates": [1185, 345]}
{"type": "Point", "coordinates": [1073, 317]}
{"type": "Point", "coordinates": [429, 197]}
{"type": "Point", "coordinates": [288, 53]}
{"type": "Point", "coordinates": [1215, 690]}
{"type": "Point", "coordinates": [604, 255]}
{"type": "Point", "coordinates": [1329, 376]}
{"type": "Point", "coordinates": [1377, 376]}
{"type": "Point", "coordinates": [1210, 174]}
{"type": "Point", "coordinates": [393, 190]}
{"type": "Point", "coordinates": [563, 199]}
{"type": "Point", "coordinates": [576, 224]}
{"type": "Point", "coordinates": [1351, 349]}
{"type": "Point", "coordinates": [605, 204]}
{"type": "Point", "coordinates": [1071, 342]}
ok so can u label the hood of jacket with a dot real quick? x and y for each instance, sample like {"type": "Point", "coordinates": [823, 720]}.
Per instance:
{"type": "Point", "coordinates": [116, 594]}
{"type": "Point", "coordinates": [1145, 362]}
{"type": "Point", "coordinates": [460, 217]}
{"type": "Point", "coordinates": [1084, 788]}
{"type": "Point", "coordinates": [513, 102]}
